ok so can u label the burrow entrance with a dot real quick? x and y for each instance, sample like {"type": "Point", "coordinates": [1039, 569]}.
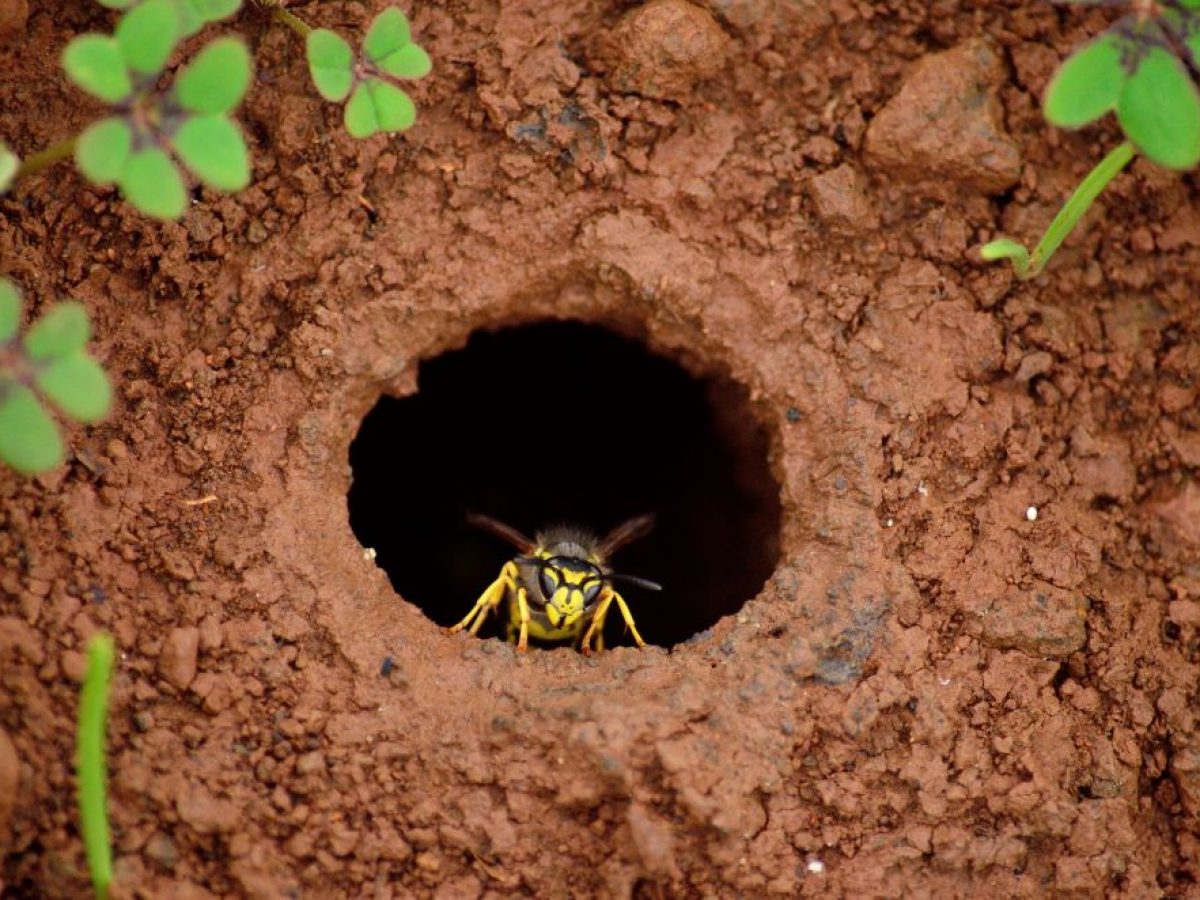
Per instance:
{"type": "Point", "coordinates": [564, 422]}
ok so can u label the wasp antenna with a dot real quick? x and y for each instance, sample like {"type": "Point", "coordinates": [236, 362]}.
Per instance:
{"type": "Point", "coordinates": [638, 526]}
{"type": "Point", "coordinates": [507, 532]}
{"type": "Point", "coordinates": [634, 580]}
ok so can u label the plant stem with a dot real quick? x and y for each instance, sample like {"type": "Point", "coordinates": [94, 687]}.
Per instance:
{"type": "Point", "coordinates": [1029, 266]}
{"type": "Point", "coordinates": [31, 165]}
{"type": "Point", "coordinates": [280, 14]}
{"type": "Point", "coordinates": [90, 767]}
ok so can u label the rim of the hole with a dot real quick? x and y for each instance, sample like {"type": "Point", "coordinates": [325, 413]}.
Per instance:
{"type": "Point", "coordinates": [706, 365]}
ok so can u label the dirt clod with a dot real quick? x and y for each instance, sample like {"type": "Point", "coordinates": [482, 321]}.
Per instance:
{"type": "Point", "coordinates": [946, 122]}
{"type": "Point", "coordinates": [177, 661]}
{"type": "Point", "coordinates": [841, 200]}
{"type": "Point", "coordinates": [651, 839]}
{"type": "Point", "coordinates": [207, 814]}
{"type": "Point", "coordinates": [13, 14]}
{"type": "Point", "coordinates": [663, 48]}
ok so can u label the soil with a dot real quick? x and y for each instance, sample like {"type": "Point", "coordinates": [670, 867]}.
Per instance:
{"type": "Point", "coordinates": [963, 657]}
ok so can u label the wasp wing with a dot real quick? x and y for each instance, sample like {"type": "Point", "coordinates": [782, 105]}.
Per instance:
{"type": "Point", "coordinates": [637, 527]}
{"type": "Point", "coordinates": [507, 532]}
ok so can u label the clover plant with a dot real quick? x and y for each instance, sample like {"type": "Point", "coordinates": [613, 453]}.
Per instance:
{"type": "Point", "coordinates": [133, 147]}
{"type": "Point", "coordinates": [1142, 69]}
{"type": "Point", "coordinates": [51, 360]}
{"type": "Point", "coordinates": [375, 104]}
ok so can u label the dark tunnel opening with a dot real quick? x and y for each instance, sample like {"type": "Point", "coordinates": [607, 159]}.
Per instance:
{"type": "Point", "coordinates": [563, 422]}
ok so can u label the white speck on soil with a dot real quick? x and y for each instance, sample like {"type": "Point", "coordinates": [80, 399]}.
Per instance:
{"type": "Point", "coordinates": [1031, 514]}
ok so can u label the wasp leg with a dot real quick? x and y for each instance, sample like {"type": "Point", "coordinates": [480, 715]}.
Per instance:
{"type": "Point", "coordinates": [596, 628]}
{"type": "Point", "coordinates": [489, 599]}
{"type": "Point", "coordinates": [625, 614]}
{"type": "Point", "coordinates": [523, 612]}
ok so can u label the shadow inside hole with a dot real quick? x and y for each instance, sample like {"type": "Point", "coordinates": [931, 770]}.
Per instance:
{"type": "Point", "coordinates": [561, 422]}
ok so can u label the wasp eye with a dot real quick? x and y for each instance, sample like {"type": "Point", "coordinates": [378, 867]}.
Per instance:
{"type": "Point", "coordinates": [547, 581]}
{"type": "Point", "coordinates": [591, 592]}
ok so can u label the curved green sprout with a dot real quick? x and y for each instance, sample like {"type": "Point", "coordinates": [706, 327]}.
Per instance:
{"type": "Point", "coordinates": [134, 147]}
{"type": "Point", "coordinates": [52, 360]}
{"type": "Point", "coordinates": [1027, 266]}
{"type": "Point", "coordinates": [1140, 69]}
{"type": "Point", "coordinates": [375, 103]}
{"type": "Point", "coordinates": [90, 764]}
{"type": "Point", "coordinates": [8, 167]}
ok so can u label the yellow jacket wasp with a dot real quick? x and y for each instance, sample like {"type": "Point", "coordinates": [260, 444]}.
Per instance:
{"type": "Point", "coordinates": [560, 588]}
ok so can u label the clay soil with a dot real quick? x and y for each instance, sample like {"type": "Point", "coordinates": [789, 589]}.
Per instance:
{"type": "Point", "coordinates": [968, 662]}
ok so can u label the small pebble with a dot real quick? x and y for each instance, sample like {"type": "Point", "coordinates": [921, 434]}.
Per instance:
{"type": "Point", "coordinates": [177, 661]}
{"type": "Point", "coordinates": [1031, 514]}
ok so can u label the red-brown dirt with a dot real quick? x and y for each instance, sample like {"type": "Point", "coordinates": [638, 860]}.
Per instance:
{"type": "Point", "coordinates": [936, 693]}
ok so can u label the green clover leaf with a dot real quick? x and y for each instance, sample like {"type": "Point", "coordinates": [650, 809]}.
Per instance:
{"type": "Point", "coordinates": [212, 147]}
{"type": "Point", "coordinates": [410, 61]}
{"type": "Point", "coordinates": [147, 34]}
{"type": "Point", "coordinates": [216, 80]}
{"type": "Point", "coordinates": [65, 329]}
{"type": "Point", "coordinates": [94, 62]}
{"type": "Point", "coordinates": [29, 442]}
{"type": "Point", "coordinates": [10, 310]}
{"type": "Point", "coordinates": [377, 105]}
{"type": "Point", "coordinates": [151, 182]}
{"type": "Point", "coordinates": [103, 149]}
{"type": "Point", "coordinates": [195, 14]}
{"type": "Point", "coordinates": [78, 385]}
{"type": "Point", "coordinates": [389, 46]}
{"type": "Point", "coordinates": [1087, 85]}
{"type": "Point", "coordinates": [331, 64]}
{"type": "Point", "coordinates": [1159, 111]}
{"type": "Point", "coordinates": [387, 34]}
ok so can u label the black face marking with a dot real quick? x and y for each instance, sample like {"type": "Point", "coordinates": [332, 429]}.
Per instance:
{"type": "Point", "coordinates": [575, 564]}
{"type": "Point", "coordinates": [546, 581]}
{"type": "Point", "coordinates": [591, 591]}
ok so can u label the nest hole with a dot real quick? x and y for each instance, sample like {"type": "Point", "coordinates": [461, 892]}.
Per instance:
{"type": "Point", "coordinates": [569, 423]}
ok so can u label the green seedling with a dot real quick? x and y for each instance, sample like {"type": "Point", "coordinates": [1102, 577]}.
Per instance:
{"type": "Point", "coordinates": [1143, 69]}
{"type": "Point", "coordinates": [51, 359]}
{"type": "Point", "coordinates": [133, 147]}
{"type": "Point", "coordinates": [90, 762]}
{"type": "Point", "coordinates": [376, 103]}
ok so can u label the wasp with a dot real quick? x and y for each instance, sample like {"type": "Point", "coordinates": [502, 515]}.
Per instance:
{"type": "Point", "coordinates": [560, 588]}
